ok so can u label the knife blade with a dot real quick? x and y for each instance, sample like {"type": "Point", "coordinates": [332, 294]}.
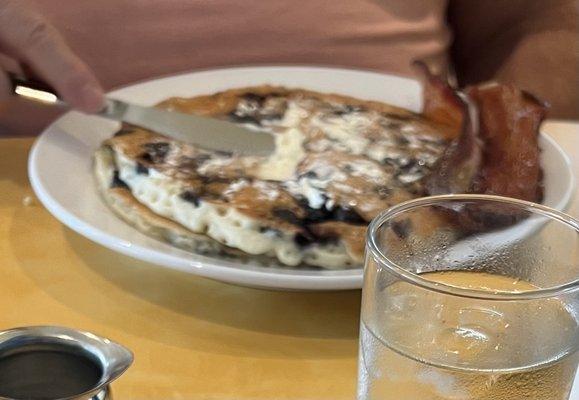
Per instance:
{"type": "Point", "coordinates": [207, 133]}
{"type": "Point", "coordinates": [204, 132]}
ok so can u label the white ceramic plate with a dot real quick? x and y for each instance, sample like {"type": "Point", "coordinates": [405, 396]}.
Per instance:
{"type": "Point", "coordinates": [61, 175]}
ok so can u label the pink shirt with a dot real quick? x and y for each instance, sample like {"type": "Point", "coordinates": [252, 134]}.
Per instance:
{"type": "Point", "coordinates": [130, 40]}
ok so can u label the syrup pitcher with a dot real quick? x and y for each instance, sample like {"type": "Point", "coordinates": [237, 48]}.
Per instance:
{"type": "Point", "coordinates": [53, 363]}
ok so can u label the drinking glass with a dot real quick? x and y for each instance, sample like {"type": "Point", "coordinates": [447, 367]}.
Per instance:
{"type": "Point", "coordinates": [470, 297]}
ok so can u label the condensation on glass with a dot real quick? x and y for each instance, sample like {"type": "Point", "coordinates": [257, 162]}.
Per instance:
{"type": "Point", "coordinates": [470, 297]}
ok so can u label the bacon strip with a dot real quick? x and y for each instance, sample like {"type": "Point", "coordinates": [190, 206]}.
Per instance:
{"type": "Point", "coordinates": [461, 162]}
{"type": "Point", "coordinates": [442, 104]}
{"type": "Point", "coordinates": [509, 127]}
{"type": "Point", "coordinates": [496, 151]}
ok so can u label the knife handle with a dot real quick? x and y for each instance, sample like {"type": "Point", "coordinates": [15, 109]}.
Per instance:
{"type": "Point", "coordinates": [33, 90]}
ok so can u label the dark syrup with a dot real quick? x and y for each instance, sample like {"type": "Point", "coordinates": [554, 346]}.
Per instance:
{"type": "Point", "coordinates": [46, 374]}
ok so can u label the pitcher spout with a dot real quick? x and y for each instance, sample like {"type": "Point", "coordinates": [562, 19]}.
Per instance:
{"type": "Point", "coordinates": [57, 363]}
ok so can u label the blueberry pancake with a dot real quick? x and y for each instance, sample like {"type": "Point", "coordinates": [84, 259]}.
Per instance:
{"type": "Point", "coordinates": [338, 162]}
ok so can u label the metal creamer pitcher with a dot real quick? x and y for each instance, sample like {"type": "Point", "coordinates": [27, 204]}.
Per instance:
{"type": "Point", "coordinates": [56, 363]}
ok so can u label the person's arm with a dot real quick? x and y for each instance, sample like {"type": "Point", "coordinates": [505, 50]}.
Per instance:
{"type": "Point", "coordinates": [28, 42]}
{"type": "Point", "coordinates": [533, 44]}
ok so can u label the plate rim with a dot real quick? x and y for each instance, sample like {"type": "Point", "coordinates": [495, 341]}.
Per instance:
{"type": "Point", "coordinates": [325, 280]}
{"type": "Point", "coordinates": [241, 67]}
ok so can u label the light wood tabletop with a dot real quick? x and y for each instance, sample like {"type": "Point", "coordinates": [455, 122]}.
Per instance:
{"type": "Point", "coordinates": [193, 338]}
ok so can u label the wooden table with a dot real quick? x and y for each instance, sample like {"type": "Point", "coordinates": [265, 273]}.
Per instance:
{"type": "Point", "coordinates": [192, 338]}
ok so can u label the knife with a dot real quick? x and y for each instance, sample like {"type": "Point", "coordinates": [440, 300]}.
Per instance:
{"type": "Point", "coordinates": [207, 133]}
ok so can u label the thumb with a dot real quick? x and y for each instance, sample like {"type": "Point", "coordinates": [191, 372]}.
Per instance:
{"type": "Point", "coordinates": [32, 40]}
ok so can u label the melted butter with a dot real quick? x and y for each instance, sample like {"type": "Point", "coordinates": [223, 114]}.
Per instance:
{"type": "Point", "coordinates": [283, 163]}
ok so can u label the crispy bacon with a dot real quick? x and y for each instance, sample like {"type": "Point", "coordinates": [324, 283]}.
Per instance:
{"type": "Point", "coordinates": [509, 126]}
{"type": "Point", "coordinates": [461, 162]}
{"type": "Point", "coordinates": [496, 151]}
{"type": "Point", "coordinates": [442, 104]}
